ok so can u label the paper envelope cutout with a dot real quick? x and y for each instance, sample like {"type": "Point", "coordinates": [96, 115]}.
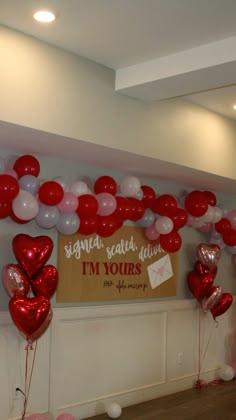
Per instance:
{"type": "Point", "coordinates": [160, 271]}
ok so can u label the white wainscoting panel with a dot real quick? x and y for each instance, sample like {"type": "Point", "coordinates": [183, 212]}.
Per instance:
{"type": "Point", "coordinates": [130, 353]}
{"type": "Point", "coordinates": [111, 354]}
{"type": "Point", "coordinates": [182, 341]}
{"type": "Point", "coordinates": [126, 353]}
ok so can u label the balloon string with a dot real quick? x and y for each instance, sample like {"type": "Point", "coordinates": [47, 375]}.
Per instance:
{"type": "Point", "coordinates": [200, 383]}
{"type": "Point", "coordinates": [199, 344]}
{"type": "Point", "coordinates": [27, 390]}
{"type": "Point", "coordinates": [212, 329]}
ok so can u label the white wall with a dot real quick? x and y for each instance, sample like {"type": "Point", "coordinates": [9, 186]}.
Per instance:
{"type": "Point", "coordinates": [48, 89]}
{"type": "Point", "coordinates": [124, 353]}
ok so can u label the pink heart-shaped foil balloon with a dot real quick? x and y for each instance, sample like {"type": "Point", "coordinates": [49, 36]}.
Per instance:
{"type": "Point", "coordinates": [212, 298]}
{"type": "Point", "coordinates": [15, 280]}
{"type": "Point", "coordinates": [32, 252]}
{"type": "Point", "coordinates": [208, 255]}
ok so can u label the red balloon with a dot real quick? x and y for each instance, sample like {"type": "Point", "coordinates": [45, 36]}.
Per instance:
{"type": "Point", "coordinates": [45, 281]}
{"type": "Point", "coordinates": [196, 203]}
{"type": "Point", "coordinates": [171, 242]}
{"type": "Point", "coordinates": [5, 209]}
{"type": "Point", "coordinates": [106, 226]}
{"type": "Point", "coordinates": [223, 226]}
{"type": "Point", "coordinates": [137, 209]}
{"type": "Point", "coordinates": [119, 223]}
{"type": "Point", "coordinates": [15, 280]}
{"type": "Point", "coordinates": [105, 184]}
{"type": "Point", "coordinates": [164, 204]}
{"type": "Point", "coordinates": [210, 197]}
{"type": "Point", "coordinates": [223, 305]}
{"type": "Point", "coordinates": [27, 165]}
{"type": "Point", "coordinates": [88, 205]}
{"type": "Point", "coordinates": [200, 284]}
{"type": "Point", "coordinates": [9, 187]}
{"type": "Point", "coordinates": [229, 237]}
{"type": "Point", "coordinates": [31, 316]}
{"type": "Point", "coordinates": [50, 193]}
{"type": "Point", "coordinates": [88, 225]}
{"type": "Point", "coordinates": [32, 253]}
{"type": "Point", "coordinates": [149, 196]}
{"type": "Point", "coordinates": [179, 217]}
{"type": "Point", "coordinates": [123, 209]}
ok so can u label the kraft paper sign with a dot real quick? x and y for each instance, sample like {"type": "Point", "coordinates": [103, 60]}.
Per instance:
{"type": "Point", "coordinates": [123, 266]}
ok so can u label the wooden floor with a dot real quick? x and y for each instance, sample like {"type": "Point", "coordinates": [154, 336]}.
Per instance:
{"type": "Point", "coordinates": [212, 403]}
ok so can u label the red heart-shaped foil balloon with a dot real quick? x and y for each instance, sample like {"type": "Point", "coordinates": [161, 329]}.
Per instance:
{"type": "Point", "coordinates": [15, 280]}
{"type": "Point", "coordinates": [200, 284]}
{"type": "Point", "coordinates": [31, 316]}
{"type": "Point", "coordinates": [209, 255]}
{"type": "Point", "coordinates": [45, 281]}
{"type": "Point", "coordinates": [32, 252]}
{"type": "Point", "coordinates": [201, 268]}
{"type": "Point", "coordinates": [223, 305]}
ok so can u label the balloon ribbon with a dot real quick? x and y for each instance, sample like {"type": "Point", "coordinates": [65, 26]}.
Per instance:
{"type": "Point", "coordinates": [28, 380]}
{"type": "Point", "coordinates": [200, 383]}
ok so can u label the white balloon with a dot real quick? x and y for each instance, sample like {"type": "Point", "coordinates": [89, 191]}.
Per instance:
{"type": "Point", "coordinates": [164, 225]}
{"type": "Point", "coordinates": [130, 186]}
{"type": "Point", "coordinates": [114, 410]}
{"type": "Point", "coordinates": [209, 215]}
{"type": "Point", "coordinates": [217, 241]}
{"type": "Point", "coordinates": [25, 206]}
{"type": "Point", "coordinates": [79, 188]}
{"type": "Point", "coordinates": [226, 373]}
{"type": "Point", "coordinates": [62, 182]}
{"type": "Point", "coordinates": [217, 214]}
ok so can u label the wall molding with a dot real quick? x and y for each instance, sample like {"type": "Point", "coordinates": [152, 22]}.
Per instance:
{"type": "Point", "coordinates": [124, 309]}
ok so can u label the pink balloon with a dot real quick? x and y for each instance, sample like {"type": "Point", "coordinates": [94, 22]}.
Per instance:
{"type": "Point", "coordinates": [190, 220]}
{"type": "Point", "coordinates": [15, 280]}
{"type": "Point", "coordinates": [69, 203]}
{"type": "Point", "coordinates": [231, 216]}
{"type": "Point", "coordinates": [207, 227]}
{"type": "Point", "coordinates": [36, 416]}
{"type": "Point", "coordinates": [65, 416]}
{"type": "Point", "coordinates": [10, 171]}
{"type": "Point", "coordinates": [151, 233]}
{"type": "Point", "coordinates": [106, 204]}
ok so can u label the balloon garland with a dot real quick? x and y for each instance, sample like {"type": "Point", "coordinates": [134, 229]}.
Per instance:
{"type": "Point", "coordinates": [75, 208]}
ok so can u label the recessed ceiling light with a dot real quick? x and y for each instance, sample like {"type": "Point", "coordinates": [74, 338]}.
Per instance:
{"type": "Point", "coordinates": [234, 107]}
{"type": "Point", "coordinates": [44, 16]}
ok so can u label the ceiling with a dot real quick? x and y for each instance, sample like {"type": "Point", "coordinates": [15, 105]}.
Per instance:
{"type": "Point", "coordinates": [159, 49]}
